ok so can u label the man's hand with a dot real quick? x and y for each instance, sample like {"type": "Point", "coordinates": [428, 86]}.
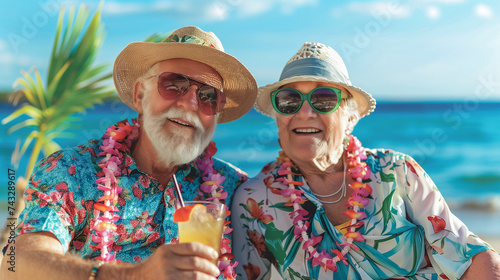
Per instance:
{"type": "Point", "coordinates": [179, 261]}
{"type": "Point", "coordinates": [40, 256]}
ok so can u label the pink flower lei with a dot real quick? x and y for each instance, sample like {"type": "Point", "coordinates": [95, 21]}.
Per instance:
{"type": "Point", "coordinates": [213, 190]}
{"type": "Point", "coordinates": [359, 171]}
{"type": "Point", "coordinates": [119, 138]}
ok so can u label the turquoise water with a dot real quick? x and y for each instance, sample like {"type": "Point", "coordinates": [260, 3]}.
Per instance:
{"type": "Point", "coordinates": [457, 143]}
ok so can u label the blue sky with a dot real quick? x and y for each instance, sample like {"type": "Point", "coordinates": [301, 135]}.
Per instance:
{"type": "Point", "coordinates": [396, 50]}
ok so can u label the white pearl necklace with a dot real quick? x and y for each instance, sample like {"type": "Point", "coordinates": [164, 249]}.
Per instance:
{"type": "Point", "coordinates": [342, 190]}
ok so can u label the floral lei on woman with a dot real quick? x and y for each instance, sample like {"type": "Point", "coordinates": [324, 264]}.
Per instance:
{"type": "Point", "coordinates": [117, 140]}
{"type": "Point", "coordinates": [359, 171]}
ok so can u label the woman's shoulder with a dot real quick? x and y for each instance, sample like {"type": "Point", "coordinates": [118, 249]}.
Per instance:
{"type": "Point", "coordinates": [270, 169]}
{"type": "Point", "coordinates": [257, 184]}
{"type": "Point", "coordinates": [386, 163]}
{"type": "Point", "coordinates": [385, 155]}
{"type": "Point", "coordinates": [227, 169]}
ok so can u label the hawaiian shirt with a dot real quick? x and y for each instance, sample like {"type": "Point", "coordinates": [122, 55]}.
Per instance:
{"type": "Point", "coordinates": [62, 191]}
{"type": "Point", "coordinates": [409, 230]}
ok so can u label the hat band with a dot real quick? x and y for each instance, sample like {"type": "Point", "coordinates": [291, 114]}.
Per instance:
{"type": "Point", "coordinates": [191, 39]}
{"type": "Point", "coordinates": [313, 67]}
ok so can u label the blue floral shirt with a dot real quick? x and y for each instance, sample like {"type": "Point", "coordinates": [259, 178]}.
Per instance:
{"type": "Point", "coordinates": [62, 191]}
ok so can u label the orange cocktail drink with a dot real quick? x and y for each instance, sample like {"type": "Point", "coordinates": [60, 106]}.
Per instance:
{"type": "Point", "coordinates": [201, 221]}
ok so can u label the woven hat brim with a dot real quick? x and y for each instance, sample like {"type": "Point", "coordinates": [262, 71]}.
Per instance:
{"type": "Point", "coordinates": [239, 85]}
{"type": "Point", "coordinates": [366, 103]}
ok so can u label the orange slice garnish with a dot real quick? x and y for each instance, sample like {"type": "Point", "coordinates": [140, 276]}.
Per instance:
{"type": "Point", "coordinates": [183, 214]}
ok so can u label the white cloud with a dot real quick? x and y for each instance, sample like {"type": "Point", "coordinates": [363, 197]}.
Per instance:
{"type": "Point", "coordinates": [3, 45]}
{"type": "Point", "coordinates": [433, 12]}
{"type": "Point", "coordinates": [117, 8]}
{"type": "Point", "coordinates": [180, 8]}
{"type": "Point", "coordinates": [492, 38]}
{"type": "Point", "coordinates": [161, 5]}
{"type": "Point", "coordinates": [218, 12]}
{"type": "Point", "coordinates": [483, 11]}
{"type": "Point", "coordinates": [395, 8]}
{"type": "Point", "coordinates": [9, 61]}
{"type": "Point", "coordinates": [440, 1]}
{"type": "Point", "coordinates": [252, 8]}
{"type": "Point", "coordinates": [245, 8]}
{"type": "Point", "coordinates": [206, 10]}
{"type": "Point", "coordinates": [6, 58]}
{"type": "Point", "coordinates": [288, 6]}
{"type": "Point", "coordinates": [392, 8]}
{"type": "Point", "coordinates": [195, 9]}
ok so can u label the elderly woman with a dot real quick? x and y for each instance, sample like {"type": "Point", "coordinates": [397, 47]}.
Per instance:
{"type": "Point", "coordinates": [329, 208]}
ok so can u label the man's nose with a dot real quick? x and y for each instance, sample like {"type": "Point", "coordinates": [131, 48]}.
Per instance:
{"type": "Point", "coordinates": [188, 101]}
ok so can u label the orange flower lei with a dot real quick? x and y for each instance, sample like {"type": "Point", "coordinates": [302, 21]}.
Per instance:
{"type": "Point", "coordinates": [359, 171]}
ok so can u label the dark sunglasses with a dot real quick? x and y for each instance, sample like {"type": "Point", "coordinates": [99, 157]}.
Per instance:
{"type": "Point", "coordinates": [172, 85]}
{"type": "Point", "coordinates": [324, 100]}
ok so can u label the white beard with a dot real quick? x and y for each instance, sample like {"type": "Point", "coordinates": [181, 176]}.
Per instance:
{"type": "Point", "coordinates": [174, 147]}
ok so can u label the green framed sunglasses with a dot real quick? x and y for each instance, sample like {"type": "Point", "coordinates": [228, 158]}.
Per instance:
{"type": "Point", "coordinates": [324, 100]}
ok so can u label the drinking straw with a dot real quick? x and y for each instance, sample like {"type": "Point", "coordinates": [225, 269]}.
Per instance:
{"type": "Point", "coordinates": [178, 190]}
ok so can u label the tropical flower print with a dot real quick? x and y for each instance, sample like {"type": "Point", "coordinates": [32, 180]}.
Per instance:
{"type": "Point", "coordinates": [438, 224]}
{"type": "Point", "coordinates": [258, 242]}
{"type": "Point", "coordinates": [188, 39]}
{"type": "Point", "coordinates": [405, 228]}
{"type": "Point", "coordinates": [252, 272]}
{"type": "Point", "coordinates": [62, 198]}
{"type": "Point", "coordinates": [256, 212]}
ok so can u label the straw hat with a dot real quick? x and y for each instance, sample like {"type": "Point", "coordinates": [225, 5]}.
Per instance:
{"type": "Point", "coordinates": [189, 42]}
{"type": "Point", "coordinates": [315, 62]}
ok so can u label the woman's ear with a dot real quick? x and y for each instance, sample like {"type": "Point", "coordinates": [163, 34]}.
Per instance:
{"type": "Point", "coordinates": [139, 92]}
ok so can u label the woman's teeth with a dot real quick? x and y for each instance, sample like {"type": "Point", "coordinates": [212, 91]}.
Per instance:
{"type": "Point", "coordinates": [306, 130]}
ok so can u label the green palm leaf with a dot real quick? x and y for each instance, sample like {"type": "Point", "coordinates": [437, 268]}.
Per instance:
{"type": "Point", "coordinates": [72, 86]}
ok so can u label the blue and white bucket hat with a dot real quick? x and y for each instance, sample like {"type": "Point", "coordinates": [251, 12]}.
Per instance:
{"type": "Point", "coordinates": [315, 62]}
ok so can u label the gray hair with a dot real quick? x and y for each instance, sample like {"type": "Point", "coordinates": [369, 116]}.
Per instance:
{"type": "Point", "coordinates": [350, 107]}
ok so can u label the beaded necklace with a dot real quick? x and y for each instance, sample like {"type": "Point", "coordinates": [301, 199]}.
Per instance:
{"type": "Point", "coordinates": [359, 171]}
{"type": "Point", "coordinates": [116, 141]}
{"type": "Point", "coordinates": [342, 190]}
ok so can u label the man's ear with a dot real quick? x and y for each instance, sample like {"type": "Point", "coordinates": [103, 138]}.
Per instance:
{"type": "Point", "coordinates": [139, 92]}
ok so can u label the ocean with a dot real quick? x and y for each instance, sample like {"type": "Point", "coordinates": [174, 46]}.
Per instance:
{"type": "Point", "coordinates": [457, 143]}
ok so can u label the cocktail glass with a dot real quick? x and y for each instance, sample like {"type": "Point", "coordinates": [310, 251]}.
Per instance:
{"type": "Point", "coordinates": [201, 221]}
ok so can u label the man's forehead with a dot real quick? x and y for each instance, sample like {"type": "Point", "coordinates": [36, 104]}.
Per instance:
{"type": "Point", "coordinates": [190, 68]}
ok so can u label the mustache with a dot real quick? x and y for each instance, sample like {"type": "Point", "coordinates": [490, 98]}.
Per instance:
{"type": "Point", "coordinates": [188, 116]}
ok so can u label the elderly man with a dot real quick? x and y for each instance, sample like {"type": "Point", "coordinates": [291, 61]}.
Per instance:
{"type": "Point", "coordinates": [112, 201]}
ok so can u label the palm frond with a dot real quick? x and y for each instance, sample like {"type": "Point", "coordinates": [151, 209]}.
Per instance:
{"type": "Point", "coordinates": [26, 123]}
{"type": "Point", "coordinates": [157, 37]}
{"type": "Point", "coordinates": [49, 147]}
{"type": "Point", "coordinates": [54, 82]}
{"type": "Point", "coordinates": [28, 110]}
{"type": "Point", "coordinates": [73, 83]}
{"type": "Point", "coordinates": [39, 90]}
{"type": "Point", "coordinates": [28, 88]}
{"type": "Point", "coordinates": [27, 142]}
